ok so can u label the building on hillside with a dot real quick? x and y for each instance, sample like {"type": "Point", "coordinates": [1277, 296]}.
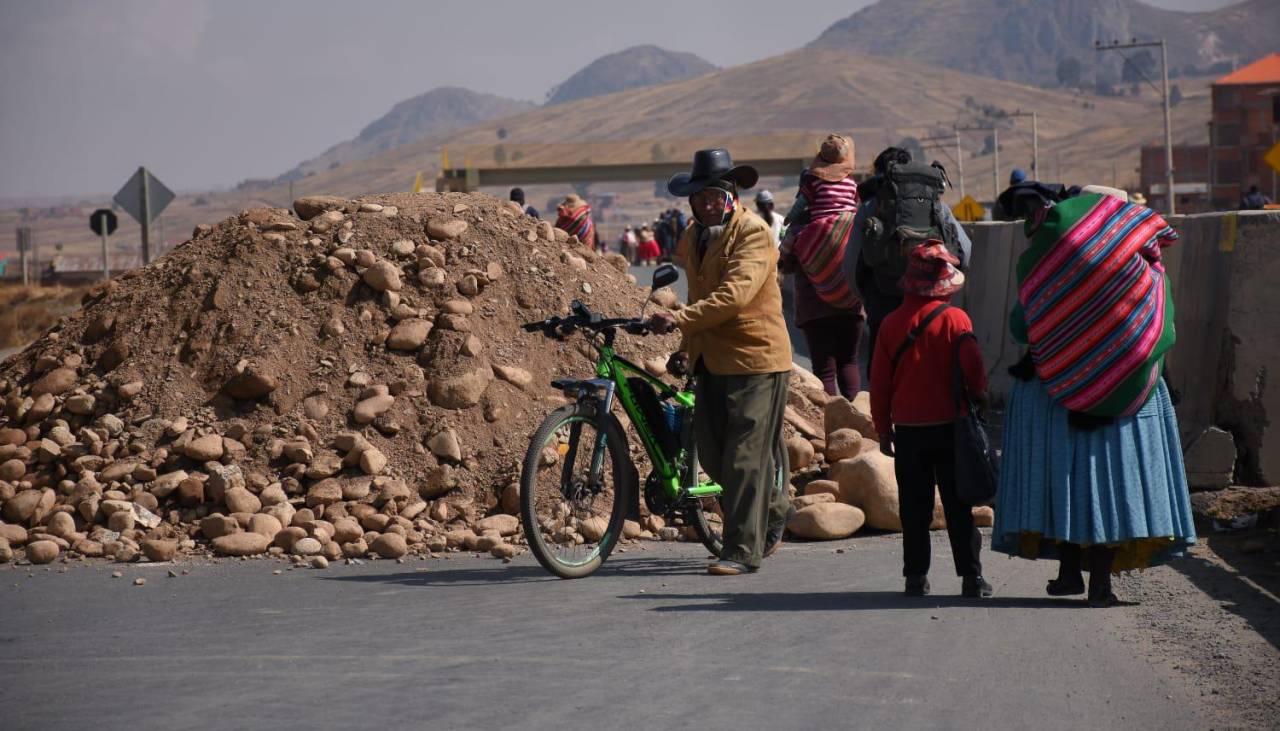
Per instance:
{"type": "Point", "coordinates": [1244, 125]}
{"type": "Point", "coordinates": [1191, 177]}
{"type": "Point", "coordinates": [1246, 118]}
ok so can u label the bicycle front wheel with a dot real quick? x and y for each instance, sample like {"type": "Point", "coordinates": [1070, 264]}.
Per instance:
{"type": "Point", "coordinates": [574, 490]}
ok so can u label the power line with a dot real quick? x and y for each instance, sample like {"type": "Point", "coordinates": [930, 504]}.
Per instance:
{"type": "Point", "coordinates": [1164, 91]}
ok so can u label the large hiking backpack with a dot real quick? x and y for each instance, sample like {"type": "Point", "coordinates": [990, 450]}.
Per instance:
{"type": "Point", "coordinates": [908, 213]}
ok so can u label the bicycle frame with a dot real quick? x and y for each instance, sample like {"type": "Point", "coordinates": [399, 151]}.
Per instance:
{"type": "Point", "coordinates": [612, 371]}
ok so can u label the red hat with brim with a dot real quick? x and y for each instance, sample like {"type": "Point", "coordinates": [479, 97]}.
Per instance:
{"type": "Point", "coordinates": [931, 272]}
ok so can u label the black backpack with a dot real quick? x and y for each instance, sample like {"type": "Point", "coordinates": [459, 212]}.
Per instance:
{"type": "Point", "coordinates": [908, 213]}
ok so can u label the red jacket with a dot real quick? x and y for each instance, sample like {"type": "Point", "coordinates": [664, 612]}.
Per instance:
{"type": "Point", "coordinates": [919, 392]}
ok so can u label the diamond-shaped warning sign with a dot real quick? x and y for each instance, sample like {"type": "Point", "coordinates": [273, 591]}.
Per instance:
{"type": "Point", "coordinates": [1272, 157]}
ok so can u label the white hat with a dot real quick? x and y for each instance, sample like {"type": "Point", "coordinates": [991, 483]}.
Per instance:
{"type": "Point", "coordinates": [764, 196]}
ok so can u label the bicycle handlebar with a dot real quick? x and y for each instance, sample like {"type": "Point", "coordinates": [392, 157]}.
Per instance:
{"type": "Point", "coordinates": [582, 318]}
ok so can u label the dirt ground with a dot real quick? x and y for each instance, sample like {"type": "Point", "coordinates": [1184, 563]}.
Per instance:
{"type": "Point", "coordinates": [1212, 623]}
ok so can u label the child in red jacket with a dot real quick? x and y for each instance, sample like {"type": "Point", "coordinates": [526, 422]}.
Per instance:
{"type": "Point", "coordinates": [914, 411]}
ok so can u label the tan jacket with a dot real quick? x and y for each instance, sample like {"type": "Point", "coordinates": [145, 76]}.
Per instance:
{"type": "Point", "coordinates": [734, 318]}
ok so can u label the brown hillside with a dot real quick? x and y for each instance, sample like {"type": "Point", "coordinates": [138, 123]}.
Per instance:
{"type": "Point", "coordinates": [780, 103]}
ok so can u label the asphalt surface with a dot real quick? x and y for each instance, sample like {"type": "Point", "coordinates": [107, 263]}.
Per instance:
{"type": "Point", "coordinates": [820, 638]}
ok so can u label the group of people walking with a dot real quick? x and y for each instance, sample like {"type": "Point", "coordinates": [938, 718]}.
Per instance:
{"type": "Point", "coordinates": [1091, 472]}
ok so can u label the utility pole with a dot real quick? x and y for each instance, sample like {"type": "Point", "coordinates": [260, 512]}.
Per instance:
{"type": "Point", "coordinates": [1164, 91]}
{"type": "Point", "coordinates": [995, 162]}
{"type": "Point", "coordinates": [995, 141]}
{"type": "Point", "coordinates": [1035, 140]}
{"type": "Point", "coordinates": [960, 163]}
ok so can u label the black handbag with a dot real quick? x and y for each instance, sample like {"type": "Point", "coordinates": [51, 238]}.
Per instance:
{"type": "Point", "coordinates": [977, 463]}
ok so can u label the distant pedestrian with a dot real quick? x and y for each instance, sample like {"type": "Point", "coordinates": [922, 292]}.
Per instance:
{"type": "Point", "coordinates": [574, 217]}
{"type": "Point", "coordinates": [1092, 471]}
{"type": "Point", "coordinates": [812, 252]}
{"type": "Point", "coordinates": [765, 208]}
{"type": "Point", "coordinates": [914, 411]}
{"type": "Point", "coordinates": [627, 243]}
{"type": "Point", "coordinates": [1254, 200]}
{"type": "Point", "coordinates": [647, 249]}
{"type": "Point", "coordinates": [517, 197]}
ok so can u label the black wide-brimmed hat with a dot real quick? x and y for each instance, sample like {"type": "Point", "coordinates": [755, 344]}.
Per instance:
{"type": "Point", "coordinates": [710, 166]}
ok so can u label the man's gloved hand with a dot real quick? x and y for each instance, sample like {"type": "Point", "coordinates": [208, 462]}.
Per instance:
{"type": "Point", "coordinates": [886, 445]}
{"type": "Point", "coordinates": [678, 364]}
{"type": "Point", "coordinates": [661, 322]}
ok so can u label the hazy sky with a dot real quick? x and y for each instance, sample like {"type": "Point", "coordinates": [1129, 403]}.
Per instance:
{"type": "Point", "coordinates": [209, 92]}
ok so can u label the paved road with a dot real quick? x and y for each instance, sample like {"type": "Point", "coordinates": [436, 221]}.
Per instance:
{"type": "Point", "coordinates": [818, 639]}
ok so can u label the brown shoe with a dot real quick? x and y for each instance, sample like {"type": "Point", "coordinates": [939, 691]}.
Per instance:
{"type": "Point", "coordinates": [728, 568]}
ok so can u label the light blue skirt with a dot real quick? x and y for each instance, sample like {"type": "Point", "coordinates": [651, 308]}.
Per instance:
{"type": "Point", "coordinates": [1122, 485]}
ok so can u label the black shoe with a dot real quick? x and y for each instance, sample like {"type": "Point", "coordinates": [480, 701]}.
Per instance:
{"type": "Point", "coordinates": [773, 537]}
{"type": "Point", "coordinates": [975, 587]}
{"type": "Point", "coordinates": [1059, 587]}
{"type": "Point", "coordinates": [917, 586]}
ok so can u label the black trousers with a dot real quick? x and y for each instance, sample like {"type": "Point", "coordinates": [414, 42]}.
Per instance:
{"type": "Point", "coordinates": [926, 457]}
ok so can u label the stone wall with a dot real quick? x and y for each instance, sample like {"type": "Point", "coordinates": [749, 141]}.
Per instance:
{"type": "Point", "coordinates": [1225, 276]}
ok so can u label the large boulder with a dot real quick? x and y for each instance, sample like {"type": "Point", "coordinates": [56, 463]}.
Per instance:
{"type": "Point", "coordinates": [460, 391]}
{"type": "Point", "coordinates": [308, 207]}
{"type": "Point", "coordinates": [241, 544]}
{"type": "Point", "coordinates": [799, 453]}
{"type": "Point", "coordinates": [843, 443]}
{"type": "Point", "coordinates": [826, 521]}
{"type": "Point", "coordinates": [868, 482]}
{"type": "Point", "coordinates": [1211, 460]}
{"type": "Point", "coordinates": [842, 414]}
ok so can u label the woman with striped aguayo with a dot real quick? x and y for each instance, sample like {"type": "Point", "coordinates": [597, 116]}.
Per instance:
{"type": "Point", "coordinates": [812, 251]}
{"type": "Point", "coordinates": [573, 216]}
{"type": "Point", "coordinates": [1092, 468]}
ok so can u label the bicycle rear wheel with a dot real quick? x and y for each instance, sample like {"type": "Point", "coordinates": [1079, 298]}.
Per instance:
{"type": "Point", "coordinates": [574, 490]}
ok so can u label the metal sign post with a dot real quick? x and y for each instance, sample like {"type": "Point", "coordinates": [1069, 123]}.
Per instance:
{"type": "Point", "coordinates": [103, 222]}
{"type": "Point", "coordinates": [144, 197]}
{"type": "Point", "coordinates": [23, 234]}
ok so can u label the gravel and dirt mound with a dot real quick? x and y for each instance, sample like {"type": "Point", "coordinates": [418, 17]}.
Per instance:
{"type": "Point", "coordinates": [347, 380]}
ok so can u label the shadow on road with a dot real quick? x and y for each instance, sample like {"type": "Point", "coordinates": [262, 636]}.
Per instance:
{"type": "Point", "coordinates": [510, 574]}
{"type": "Point", "coordinates": [454, 577]}
{"type": "Point", "coordinates": [839, 601]}
{"type": "Point", "coordinates": [1254, 600]}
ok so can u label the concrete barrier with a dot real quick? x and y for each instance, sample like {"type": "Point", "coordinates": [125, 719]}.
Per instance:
{"type": "Point", "coordinates": [1225, 277]}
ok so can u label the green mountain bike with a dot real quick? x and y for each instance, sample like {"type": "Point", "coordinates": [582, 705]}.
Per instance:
{"type": "Point", "coordinates": [579, 483]}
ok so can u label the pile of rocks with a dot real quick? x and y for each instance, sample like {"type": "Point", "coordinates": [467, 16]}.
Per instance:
{"type": "Point", "coordinates": [347, 381]}
{"type": "Point", "coordinates": [858, 486]}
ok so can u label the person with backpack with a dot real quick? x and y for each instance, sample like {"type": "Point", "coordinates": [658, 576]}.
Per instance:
{"type": "Point", "coordinates": [812, 252]}
{"type": "Point", "coordinates": [901, 207]}
{"type": "Point", "coordinates": [914, 411]}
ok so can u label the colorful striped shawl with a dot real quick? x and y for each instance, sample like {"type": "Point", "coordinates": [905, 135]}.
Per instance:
{"type": "Point", "coordinates": [819, 245]}
{"type": "Point", "coordinates": [1096, 304]}
{"type": "Point", "coordinates": [577, 222]}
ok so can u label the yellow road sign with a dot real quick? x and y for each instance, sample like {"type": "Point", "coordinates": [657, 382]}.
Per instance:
{"type": "Point", "coordinates": [417, 183]}
{"type": "Point", "coordinates": [969, 209]}
{"type": "Point", "coordinates": [1272, 157]}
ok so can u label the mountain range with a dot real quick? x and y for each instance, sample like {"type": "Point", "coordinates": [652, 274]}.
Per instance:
{"type": "Point", "coordinates": [1027, 40]}
{"type": "Point", "coordinates": [628, 69]}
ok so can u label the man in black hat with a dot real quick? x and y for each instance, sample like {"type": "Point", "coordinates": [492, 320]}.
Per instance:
{"type": "Point", "coordinates": [734, 336]}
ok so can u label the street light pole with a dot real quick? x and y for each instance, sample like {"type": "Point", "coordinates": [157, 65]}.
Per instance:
{"type": "Point", "coordinates": [1164, 91]}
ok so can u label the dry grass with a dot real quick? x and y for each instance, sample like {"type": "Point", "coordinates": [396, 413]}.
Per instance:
{"type": "Point", "coordinates": [25, 312]}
